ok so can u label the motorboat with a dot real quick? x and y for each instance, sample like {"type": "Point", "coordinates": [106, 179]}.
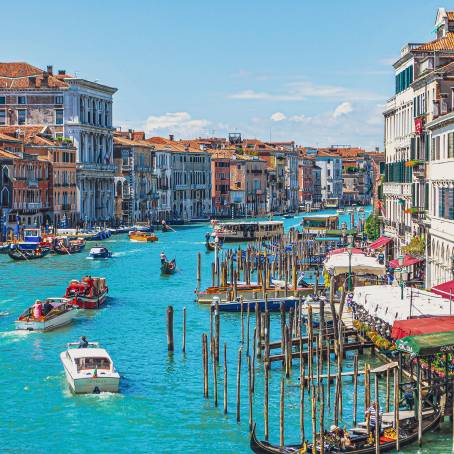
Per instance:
{"type": "Point", "coordinates": [47, 315]}
{"type": "Point", "coordinates": [88, 293]}
{"type": "Point", "coordinates": [99, 252]}
{"type": "Point", "coordinates": [143, 237]}
{"type": "Point", "coordinates": [4, 248]}
{"type": "Point", "coordinates": [288, 216]}
{"type": "Point", "coordinates": [90, 369]}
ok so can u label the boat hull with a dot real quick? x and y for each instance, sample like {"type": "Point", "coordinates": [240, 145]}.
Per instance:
{"type": "Point", "coordinates": [25, 255]}
{"type": "Point", "coordinates": [90, 302]}
{"type": "Point", "coordinates": [47, 325]}
{"type": "Point", "coordinates": [273, 305]}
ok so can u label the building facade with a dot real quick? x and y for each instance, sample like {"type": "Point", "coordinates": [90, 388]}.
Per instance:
{"type": "Point", "coordinates": [331, 177]}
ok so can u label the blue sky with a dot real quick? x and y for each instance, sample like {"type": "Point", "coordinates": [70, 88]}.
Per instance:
{"type": "Point", "coordinates": [317, 72]}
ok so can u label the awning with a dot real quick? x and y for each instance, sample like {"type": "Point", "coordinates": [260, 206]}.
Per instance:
{"type": "Point", "coordinates": [345, 249]}
{"type": "Point", "coordinates": [423, 325]}
{"type": "Point", "coordinates": [408, 261]}
{"type": "Point", "coordinates": [381, 242]}
{"type": "Point", "coordinates": [446, 290]}
{"type": "Point", "coordinates": [427, 344]}
{"type": "Point", "coordinates": [342, 263]}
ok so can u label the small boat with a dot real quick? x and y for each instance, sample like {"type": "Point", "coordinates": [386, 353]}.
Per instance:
{"type": "Point", "coordinates": [168, 267]}
{"type": "Point", "coordinates": [274, 304]}
{"type": "Point", "coordinates": [88, 293]}
{"type": "Point", "coordinates": [211, 244]}
{"type": "Point", "coordinates": [361, 443]}
{"type": "Point", "coordinates": [4, 248]}
{"type": "Point", "coordinates": [99, 252]}
{"type": "Point", "coordinates": [288, 216]}
{"type": "Point", "coordinates": [66, 246]}
{"type": "Point", "coordinates": [89, 370]}
{"type": "Point", "coordinates": [47, 315]}
{"type": "Point", "coordinates": [17, 253]}
{"type": "Point", "coordinates": [143, 237]}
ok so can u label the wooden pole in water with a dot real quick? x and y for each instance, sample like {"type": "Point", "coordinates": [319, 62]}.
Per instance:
{"type": "Point", "coordinates": [205, 365]}
{"type": "Point", "coordinates": [248, 327]}
{"type": "Point", "coordinates": [367, 394]}
{"type": "Point", "coordinates": [258, 330]}
{"type": "Point", "coordinates": [217, 326]}
{"type": "Point", "coordinates": [302, 383]}
{"type": "Point", "coordinates": [225, 378]}
{"type": "Point", "coordinates": [329, 374]}
{"type": "Point", "coordinates": [249, 380]}
{"type": "Point", "coordinates": [253, 362]}
{"type": "Point", "coordinates": [396, 407]}
{"type": "Point", "coordinates": [322, 419]}
{"type": "Point", "coordinates": [213, 274]}
{"type": "Point", "coordinates": [215, 383]}
{"type": "Point", "coordinates": [238, 385]}
{"type": "Point", "coordinates": [242, 319]}
{"type": "Point", "coordinates": [377, 417]}
{"type": "Point", "coordinates": [281, 416]}
{"type": "Point", "coordinates": [199, 269]}
{"type": "Point", "coordinates": [387, 390]}
{"type": "Point", "coordinates": [419, 379]}
{"type": "Point", "coordinates": [170, 347]}
{"type": "Point", "coordinates": [184, 329]}
{"type": "Point", "coordinates": [314, 420]}
{"type": "Point", "coordinates": [265, 403]}
{"type": "Point", "coordinates": [355, 389]}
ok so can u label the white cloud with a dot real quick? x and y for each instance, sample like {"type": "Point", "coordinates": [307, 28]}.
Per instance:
{"type": "Point", "coordinates": [278, 116]}
{"type": "Point", "coordinates": [300, 90]}
{"type": "Point", "coordinates": [178, 122]}
{"type": "Point", "coordinates": [342, 109]}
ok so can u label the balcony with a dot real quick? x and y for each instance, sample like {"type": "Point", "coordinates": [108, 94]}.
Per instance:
{"type": "Point", "coordinates": [96, 167]}
{"type": "Point", "coordinates": [32, 183]}
{"type": "Point", "coordinates": [419, 170]}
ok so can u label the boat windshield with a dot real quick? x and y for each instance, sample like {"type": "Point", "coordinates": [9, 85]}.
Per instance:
{"type": "Point", "coordinates": [92, 363]}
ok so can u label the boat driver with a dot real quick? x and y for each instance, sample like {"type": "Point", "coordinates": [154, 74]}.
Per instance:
{"type": "Point", "coordinates": [163, 257]}
{"type": "Point", "coordinates": [83, 343]}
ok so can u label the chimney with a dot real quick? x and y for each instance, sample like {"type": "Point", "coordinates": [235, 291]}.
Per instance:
{"type": "Point", "coordinates": [171, 137]}
{"type": "Point", "coordinates": [32, 81]}
{"type": "Point", "coordinates": [50, 69]}
{"type": "Point", "coordinates": [61, 72]}
{"type": "Point", "coordinates": [130, 134]}
{"type": "Point", "coordinates": [45, 80]}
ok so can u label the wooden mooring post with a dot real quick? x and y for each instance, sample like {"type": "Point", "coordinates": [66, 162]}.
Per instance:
{"type": "Point", "coordinates": [170, 346]}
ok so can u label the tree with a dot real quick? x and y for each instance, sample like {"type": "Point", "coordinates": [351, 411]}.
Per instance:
{"type": "Point", "coordinates": [372, 227]}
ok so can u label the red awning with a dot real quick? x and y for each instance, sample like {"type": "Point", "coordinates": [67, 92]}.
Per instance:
{"type": "Point", "coordinates": [426, 325]}
{"type": "Point", "coordinates": [446, 290]}
{"type": "Point", "coordinates": [382, 241]}
{"type": "Point", "coordinates": [345, 249]}
{"type": "Point", "coordinates": [408, 261]}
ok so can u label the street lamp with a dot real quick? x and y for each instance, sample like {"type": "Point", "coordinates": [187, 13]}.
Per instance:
{"type": "Point", "coordinates": [350, 251]}
{"type": "Point", "coordinates": [403, 274]}
{"type": "Point", "coordinates": [344, 232]}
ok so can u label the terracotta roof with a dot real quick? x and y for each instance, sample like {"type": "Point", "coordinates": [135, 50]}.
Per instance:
{"type": "Point", "coordinates": [120, 140]}
{"type": "Point", "coordinates": [8, 138]}
{"type": "Point", "coordinates": [450, 15]}
{"type": "Point", "coordinates": [21, 74]}
{"type": "Point", "coordinates": [27, 131]}
{"type": "Point", "coordinates": [444, 43]}
{"type": "Point", "coordinates": [7, 154]}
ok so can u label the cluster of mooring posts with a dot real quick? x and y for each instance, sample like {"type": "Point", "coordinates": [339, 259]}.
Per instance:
{"type": "Point", "coordinates": [316, 332]}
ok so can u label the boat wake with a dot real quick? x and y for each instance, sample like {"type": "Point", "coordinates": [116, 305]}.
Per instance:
{"type": "Point", "coordinates": [15, 335]}
{"type": "Point", "coordinates": [4, 313]}
{"type": "Point", "coordinates": [124, 253]}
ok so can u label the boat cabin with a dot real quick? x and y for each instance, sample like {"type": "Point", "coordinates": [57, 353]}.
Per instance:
{"type": "Point", "coordinates": [85, 359]}
{"type": "Point", "coordinates": [332, 202]}
{"type": "Point", "coordinates": [248, 231]}
{"type": "Point", "coordinates": [319, 224]}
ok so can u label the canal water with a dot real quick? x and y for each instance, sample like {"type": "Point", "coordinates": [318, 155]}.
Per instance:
{"type": "Point", "coordinates": [160, 408]}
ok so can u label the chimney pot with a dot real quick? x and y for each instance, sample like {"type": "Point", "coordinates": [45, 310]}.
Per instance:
{"type": "Point", "coordinates": [50, 69]}
{"type": "Point", "coordinates": [61, 72]}
{"type": "Point", "coordinates": [171, 137]}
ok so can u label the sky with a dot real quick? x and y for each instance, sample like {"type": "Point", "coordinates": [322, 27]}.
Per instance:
{"type": "Point", "coordinates": [317, 72]}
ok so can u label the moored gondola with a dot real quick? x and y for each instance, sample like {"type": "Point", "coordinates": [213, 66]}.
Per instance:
{"type": "Point", "coordinates": [69, 247]}
{"type": "Point", "coordinates": [361, 442]}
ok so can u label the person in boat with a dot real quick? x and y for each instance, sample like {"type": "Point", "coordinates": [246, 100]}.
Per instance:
{"type": "Point", "coordinates": [83, 343]}
{"type": "Point", "coordinates": [37, 309]}
{"type": "Point", "coordinates": [373, 419]}
{"type": "Point", "coordinates": [47, 307]}
{"type": "Point", "coordinates": [163, 257]}
{"type": "Point", "coordinates": [408, 397]}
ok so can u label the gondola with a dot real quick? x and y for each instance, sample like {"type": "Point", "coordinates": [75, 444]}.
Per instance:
{"type": "Point", "coordinates": [28, 254]}
{"type": "Point", "coordinates": [4, 248]}
{"type": "Point", "coordinates": [168, 267]}
{"type": "Point", "coordinates": [71, 248]}
{"type": "Point", "coordinates": [408, 433]}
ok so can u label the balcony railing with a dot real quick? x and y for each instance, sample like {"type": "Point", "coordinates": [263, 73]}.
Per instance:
{"type": "Point", "coordinates": [32, 183]}
{"type": "Point", "coordinates": [96, 166]}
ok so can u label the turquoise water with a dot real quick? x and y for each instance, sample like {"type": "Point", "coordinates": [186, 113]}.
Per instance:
{"type": "Point", "coordinates": [161, 406]}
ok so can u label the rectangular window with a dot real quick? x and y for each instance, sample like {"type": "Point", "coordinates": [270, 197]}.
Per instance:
{"type": "Point", "coordinates": [451, 145]}
{"type": "Point", "coordinates": [21, 117]}
{"type": "Point", "coordinates": [21, 100]}
{"type": "Point", "coordinates": [58, 116]}
{"type": "Point", "coordinates": [58, 100]}
{"type": "Point", "coordinates": [2, 99]}
{"type": "Point", "coordinates": [3, 117]}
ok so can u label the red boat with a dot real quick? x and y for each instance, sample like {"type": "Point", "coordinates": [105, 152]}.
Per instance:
{"type": "Point", "coordinates": [88, 293]}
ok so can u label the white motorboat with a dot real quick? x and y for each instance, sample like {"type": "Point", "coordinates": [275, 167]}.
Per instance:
{"type": "Point", "coordinates": [89, 370]}
{"type": "Point", "coordinates": [47, 315]}
{"type": "Point", "coordinates": [99, 252]}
